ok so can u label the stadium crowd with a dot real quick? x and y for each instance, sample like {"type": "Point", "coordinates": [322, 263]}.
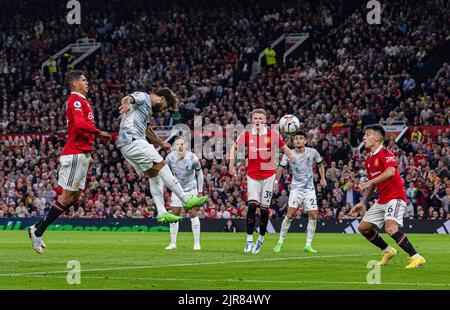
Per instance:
{"type": "Point", "coordinates": [352, 75]}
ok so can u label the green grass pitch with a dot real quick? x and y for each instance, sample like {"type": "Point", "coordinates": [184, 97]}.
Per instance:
{"type": "Point", "coordinates": [121, 260]}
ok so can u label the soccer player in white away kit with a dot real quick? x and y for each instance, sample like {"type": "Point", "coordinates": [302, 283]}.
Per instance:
{"type": "Point", "coordinates": [136, 109]}
{"type": "Point", "coordinates": [186, 167]}
{"type": "Point", "coordinates": [261, 144]}
{"type": "Point", "coordinates": [302, 190]}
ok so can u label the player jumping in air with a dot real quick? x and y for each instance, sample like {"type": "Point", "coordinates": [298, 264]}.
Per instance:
{"type": "Point", "coordinates": [261, 144]}
{"type": "Point", "coordinates": [186, 167]}
{"type": "Point", "coordinates": [75, 157]}
{"type": "Point", "coordinates": [136, 109]}
{"type": "Point", "coordinates": [382, 172]}
{"type": "Point", "coordinates": [302, 191]}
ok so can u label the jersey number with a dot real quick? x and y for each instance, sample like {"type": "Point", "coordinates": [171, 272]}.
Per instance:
{"type": "Point", "coordinates": [268, 194]}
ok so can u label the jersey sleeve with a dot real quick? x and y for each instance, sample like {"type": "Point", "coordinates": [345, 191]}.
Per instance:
{"type": "Point", "coordinates": [284, 161]}
{"type": "Point", "coordinates": [317, 158]}
{"type": "Point", "coordinates": [242, 139]}
{"type": "Point", "coordinates": [388, 159]}
{"type": "Point", "coordinates": [141, 98]}
{"type": "Point", "coordinates": [196, 163]}
{"type": "Point", "coordinates": [76, 108]}
{"type": "Point", "coordinates": [281, 141]}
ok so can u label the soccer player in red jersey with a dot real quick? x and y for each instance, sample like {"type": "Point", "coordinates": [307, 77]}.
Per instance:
{"type": "Point", "coordinates": [383, 175]}
{"type": "Point", "coordinates": [261, 144]}
{"type": "Point", "coordinates": [75, 157]}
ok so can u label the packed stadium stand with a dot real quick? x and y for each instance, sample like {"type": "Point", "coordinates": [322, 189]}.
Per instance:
{"type": "Point", "coordinates": [349, 74]}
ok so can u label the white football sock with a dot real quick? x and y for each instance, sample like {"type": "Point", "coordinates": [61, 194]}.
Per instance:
{"type": "Point", "coordinates": [157, 191]}
{"type": "Point", "coordinates": [261, 238]}
{"type": "Point", "coordinates": [195, 225]}
{"type": "Point", "coordinates": [173, 232]}
{"type": "Point", "coordinates": [172, 183]}
{"type": "Point", "coordinates": [250, 238]}
{"type": "Point", "coordinates": [311, 229]}
{"type": "Point", "coordinates": [284, 229]}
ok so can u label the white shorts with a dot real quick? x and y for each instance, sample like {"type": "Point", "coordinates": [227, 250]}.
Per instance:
{"type": "Point", "coordinates": [141, 155]}
{"type": "Point", "coordinates": [307, 197]}
{"type": "Point", "coordinates": [176, 202]}
{"type": "Point", "coordinates": [379, 213]}
{"type": "Point", "coordinates": [260, 190]}
{"type": "Point", "coordinates": [73, 171]}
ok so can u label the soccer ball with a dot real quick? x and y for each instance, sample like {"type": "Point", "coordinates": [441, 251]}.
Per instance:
{"type": "Point", "coordinates": [289, 124]}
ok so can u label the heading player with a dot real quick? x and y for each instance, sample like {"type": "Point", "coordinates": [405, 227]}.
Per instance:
{"type": "Point", "coordinates": [136, 109]}
{"type": "Point", "coordinates": [302, 191]}
{"type": "Point", "coordinates": [186, 167]}
{"type": "Point", "coordinates": [261, 144]}
{"type": "Point", "coordinates": [75, 157]}
{"type": "Point", "coordinates": [383, 174]}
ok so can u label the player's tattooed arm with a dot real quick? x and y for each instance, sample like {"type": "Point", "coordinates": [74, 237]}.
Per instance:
{"type": "Point", "coordinates": [154, 139]}
{"type": "Point", "coordinates": [368, 194]}
{"type": "Point", "coordinates": [276, 185]}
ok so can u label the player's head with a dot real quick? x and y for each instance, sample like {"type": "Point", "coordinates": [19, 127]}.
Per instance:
{"type": "Point", "coordinates": [300, 139]}
{"type": "Point", "coordinates": [77, 82]}
{"type": "Point", "coordinates": [179, 145]}
{"type": "Point", "coordinates": [259, 118]}
{"type": "Point", "coordinates": [165, 99]}
{"type": "Point", "coordinates": [373, 136]}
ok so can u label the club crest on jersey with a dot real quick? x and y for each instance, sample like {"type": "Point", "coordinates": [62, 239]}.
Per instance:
{"type": "Point", "coordinates": [77, 105]}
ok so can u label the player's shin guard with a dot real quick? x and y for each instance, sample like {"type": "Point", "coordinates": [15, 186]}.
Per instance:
{"type": "Point", "coordinates": [251, 215]}
{"type": "Point", "coordinates": [172, 183]}
{"type": "Point", "coordinates": [373, 237]}
{"type": "Point", "coordinates": [403, 242]}
{"type": "Point", "coordinates": [157, 191]}
{"type": "Point", "coordinates": [263, 221]}
{"type": "Point", "coordinates": [195, 225]}
{"type": "Point", "coordinates": [284, 229]}
{"type": "Point", "coordinates": [56, 209]}
{"type": "Point", "coordinates": [310, 230]}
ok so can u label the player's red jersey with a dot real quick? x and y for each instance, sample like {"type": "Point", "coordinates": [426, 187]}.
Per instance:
{"type": "Point", "coordinates": [393, 187]}
{"type": "Point", "coordinates": [80, 125]}
{"type": "Point", "coordinates": [260, 151]}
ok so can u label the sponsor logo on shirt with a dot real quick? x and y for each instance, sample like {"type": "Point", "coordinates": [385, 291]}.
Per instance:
{"type": "Point", "coordinates": [77, 105]}
{"type": "Point", "coordinates": [390, 159]}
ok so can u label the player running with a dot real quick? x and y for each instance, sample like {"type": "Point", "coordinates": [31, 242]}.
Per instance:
{"type": "Point", "coordinates": [136, 109]}
{"type": "Point", "coordinates": [186, 167]}
{"type": "Point", "coordinates": [261, 144]}
{"type": "Point", "coordinates": [382, 171]}
{"type": "Point", "coordinates": [302, 191]}
{"type": "Point", "coordinates": [75, 157]}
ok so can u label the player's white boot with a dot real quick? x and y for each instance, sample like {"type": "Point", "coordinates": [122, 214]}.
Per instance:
{"type": "Point", "coordinates": [171, 246]}
{"type": "Point", "coordinates": [36, 241]}
{"type": "Point", "coordinates": [248, 246]}
{"type": "Point", "coordinates": [257, 247]}
{"type": "Point", "coordinates": [197, 247]}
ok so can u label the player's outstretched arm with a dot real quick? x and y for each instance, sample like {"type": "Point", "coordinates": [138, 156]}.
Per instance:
{"type": "Point", "coordinates": [288, 153]}
{"type": "Point", "coordinates": [154, 139]}
{"type": "Point", "coordinates": [276, 185]}
{"type": "Point", "coordinates": [232, 167]}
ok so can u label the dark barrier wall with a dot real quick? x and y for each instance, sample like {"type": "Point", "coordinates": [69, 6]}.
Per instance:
{"type": "Point", "coordinates": [217, 225]}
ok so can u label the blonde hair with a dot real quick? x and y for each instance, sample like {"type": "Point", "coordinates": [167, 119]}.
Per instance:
{"type": "Point", "coordinates": [259, 111]}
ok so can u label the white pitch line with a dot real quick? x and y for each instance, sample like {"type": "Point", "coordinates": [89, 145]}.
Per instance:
{"type": "Point", "coordinates": [242, 280]}
{"type": "Point", "coordinates": [188, 264]}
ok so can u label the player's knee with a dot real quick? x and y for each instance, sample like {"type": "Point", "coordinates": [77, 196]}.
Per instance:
{"type": "Point", "coordinates": [363, 229]}
{"type": "Point", "coordinates": [391, 230]}
{"type": "Point", "coordinates": [252, 205]}
{"type": "Point", "coordinates": [312, 216]}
